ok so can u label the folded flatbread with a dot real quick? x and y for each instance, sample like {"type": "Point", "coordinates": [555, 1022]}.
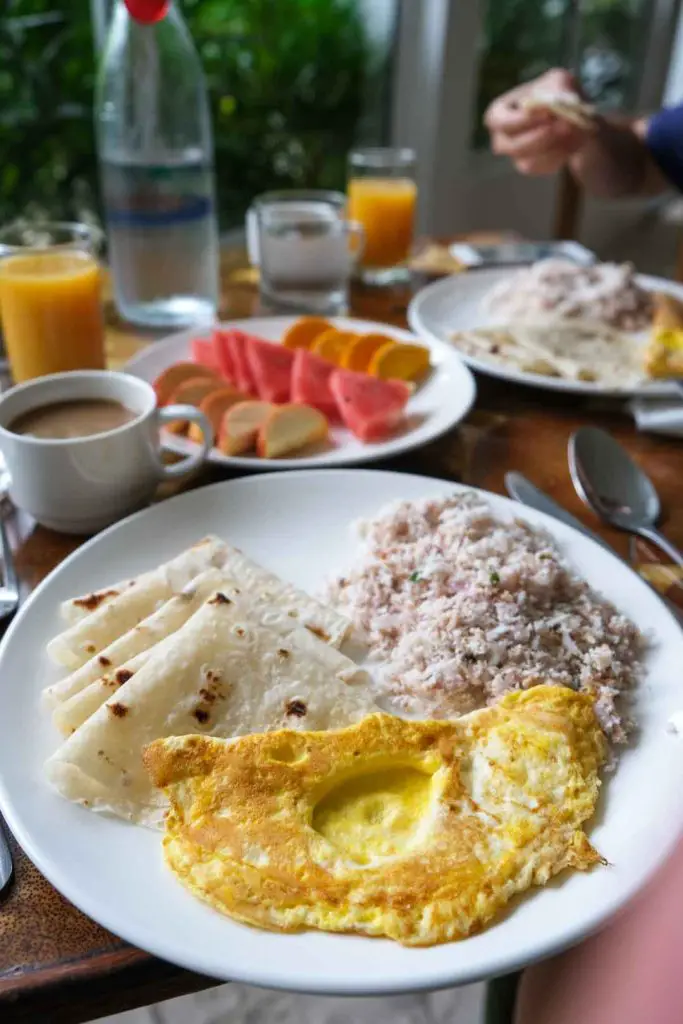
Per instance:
{"type": "Point", "coordinates": [575, 350]}
{"type": "Point", "coordinates": [88, 638]}
{"type": "Point", "coordinates": [221, 674]}
{"type": "Point", "coordinates": [563, 104]}
{"type": "Point", "coordinates": [172, 614]}
{"type": "Point", "coordinates": [278, 606]}
{"type": "Point", "coordinates": [113, 611]}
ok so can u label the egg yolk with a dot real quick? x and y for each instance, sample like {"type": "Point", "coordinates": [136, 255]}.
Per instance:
{"type": "Point", "coordinates": [375, 815]}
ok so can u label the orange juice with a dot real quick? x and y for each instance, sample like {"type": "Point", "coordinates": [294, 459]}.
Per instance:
{"type": "Point", "coordinates": [386, 209]}
{"type": "Point", "coordinates": [51, 310]}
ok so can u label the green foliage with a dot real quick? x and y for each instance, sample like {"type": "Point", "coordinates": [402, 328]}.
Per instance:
{"type": "Point", "coordinates": [289, 82]}
{"type": "Point", "coordinates": [47, 161]}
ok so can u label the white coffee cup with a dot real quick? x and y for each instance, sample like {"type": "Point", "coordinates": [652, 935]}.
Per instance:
{"type": "Point", "coordinates": [82, 484]}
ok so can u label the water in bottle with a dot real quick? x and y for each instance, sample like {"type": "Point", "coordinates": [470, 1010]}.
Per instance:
{"type": "Point", "coordinates": [156, 172]}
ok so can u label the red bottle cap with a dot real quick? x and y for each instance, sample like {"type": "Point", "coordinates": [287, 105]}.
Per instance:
{"type": "Point", "coordinates": [147, 11]}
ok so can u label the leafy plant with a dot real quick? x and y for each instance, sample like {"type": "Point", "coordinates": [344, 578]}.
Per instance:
{"type": "Point", "coordinates": [47, 160]}
{"type": "Point", "coordinates": [290, 84]}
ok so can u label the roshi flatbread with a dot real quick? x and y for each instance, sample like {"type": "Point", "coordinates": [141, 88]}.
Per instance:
{"type": "Point", "coordinates": [277, 606]}
{"type": "Point", "coordinates": [563, 104]}
{"type": "Point", "coordinates": [88, 637]}
{"type": "Point", "coordinates": [576, 350]}
{"type": "Point", "coordinates": [173, 614]}
{"type": "Point", "coordinates": [219, 675]}
{"type": "Point", "coordinates": [123, 609]}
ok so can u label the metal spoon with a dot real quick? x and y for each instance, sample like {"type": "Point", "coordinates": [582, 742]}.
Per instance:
{"type": "Point", "coordinates": [615, 488]}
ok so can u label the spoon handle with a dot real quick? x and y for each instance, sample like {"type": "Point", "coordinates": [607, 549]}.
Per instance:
{"type": "Point", "coordinates": [657, 538]}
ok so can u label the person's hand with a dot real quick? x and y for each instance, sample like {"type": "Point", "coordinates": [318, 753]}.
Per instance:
{"type": "Point", "coordinates": [536, 141]}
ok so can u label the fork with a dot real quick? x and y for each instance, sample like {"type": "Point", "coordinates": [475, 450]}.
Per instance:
{"type": "Point", "coordinates": [9, 602]}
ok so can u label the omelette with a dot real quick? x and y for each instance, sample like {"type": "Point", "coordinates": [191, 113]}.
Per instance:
{"type": "Point", "coordinates": [419, 831]}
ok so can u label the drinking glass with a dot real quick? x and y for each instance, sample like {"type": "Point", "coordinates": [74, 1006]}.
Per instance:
{"type": "Point", "coordinates": [382, 197]}
{"type": "Point", "coordinates": [306, 249]}
{"type": "Point", "coordinates": [50, 299]}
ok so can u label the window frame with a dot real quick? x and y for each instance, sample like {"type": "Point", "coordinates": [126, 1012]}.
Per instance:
{"type": "Point", "coordinates": [436, 71]}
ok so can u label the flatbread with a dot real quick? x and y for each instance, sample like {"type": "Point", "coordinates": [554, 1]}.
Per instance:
{"type": "Point", "coordinates": [126, 607]}
{"type": "Point", "coordinates": [563, 104]}
{"type": "Point", "coordinates": [172, 614]}
{"type": "Point", "coordinates": [89, 637]}
{"type": "Point", "coordinates": [278, 606]}
{"type": "Point", "coordinates": [577, 350]}
{"type": "Point", "coordinates": [219, 675]}
{"type": "Point", "coordinates": [77, 608]}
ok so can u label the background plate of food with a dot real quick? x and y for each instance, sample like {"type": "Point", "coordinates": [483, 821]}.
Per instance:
{"type": "Point", "coordinates": [598, 329]}
{"type": "Point", "coordinates": [289, 392]}
{"type": "Point", "coordinates": [393, 827]}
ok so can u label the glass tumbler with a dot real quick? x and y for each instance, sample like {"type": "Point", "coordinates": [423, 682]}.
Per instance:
{"type": "Point", "coordinates": [307, 250]}
{"type": "Point", "coordinates": [382, 197]}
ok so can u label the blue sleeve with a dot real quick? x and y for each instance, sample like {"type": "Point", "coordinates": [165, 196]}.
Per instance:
{"type": "Point", "coordinates": [665, 141]}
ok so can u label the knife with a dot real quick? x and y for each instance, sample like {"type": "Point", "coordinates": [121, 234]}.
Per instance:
{"type": "Point", "coordinates": [5, 860]}
{"type": "Point", "coordinates": [522, 490]}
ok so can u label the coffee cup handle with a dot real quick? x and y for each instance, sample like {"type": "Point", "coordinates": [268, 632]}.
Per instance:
{"type": "Point", "coordinates": [190, 462]}
{"type": "Point", "coordinates": [356, 231]}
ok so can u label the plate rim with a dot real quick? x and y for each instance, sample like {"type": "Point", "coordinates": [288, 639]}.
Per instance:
{"type": "Point", "coordinates": [391, 448]}
{"type": "Point", "coordinates": [587, 389]}
{"type": "Point", "coordinates": [434, 979]}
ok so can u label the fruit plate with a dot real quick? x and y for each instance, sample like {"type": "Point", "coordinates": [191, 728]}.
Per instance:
{"type": "Point", "coordinates": [299, 525]}
{"type": "Point", "coordinates": [440, 402]}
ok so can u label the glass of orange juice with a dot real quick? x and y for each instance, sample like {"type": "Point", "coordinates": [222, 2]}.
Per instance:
{"type": "Point", "coordinates": [50, 299]}
{"type": "Point", "coordinates": [382, 196]}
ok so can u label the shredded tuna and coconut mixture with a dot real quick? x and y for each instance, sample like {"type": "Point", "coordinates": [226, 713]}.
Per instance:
{"type": "Point", "coordinates": [558, 289]}
{"type": "Point", "coordinates": [460, 607]}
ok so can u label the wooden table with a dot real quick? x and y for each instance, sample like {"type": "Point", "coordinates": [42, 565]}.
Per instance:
{"type": "Point", "coordinates": [56, 965]}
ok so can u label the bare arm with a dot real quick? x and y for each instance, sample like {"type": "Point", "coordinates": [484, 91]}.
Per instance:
{"type": "Point", "coordinates": [611, 161]}
{"type": "Point", "coordinates": [615, 161]}
{"type": "Point", "coordinates": [630, 973]}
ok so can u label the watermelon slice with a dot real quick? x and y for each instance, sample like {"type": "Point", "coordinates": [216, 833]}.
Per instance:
{"type": "Point", "coordinates": [370, 407]}
{"type": "Point", "coordinates": [311, 382]}
{"type": "Point", "coordinates": [271, 369]}
{"type": "Point", "coordinates": [204, 353]}
{"type": "Point", "coordinates": [241, 372]}
{"type": "Point", "coordinates": [223, 355]}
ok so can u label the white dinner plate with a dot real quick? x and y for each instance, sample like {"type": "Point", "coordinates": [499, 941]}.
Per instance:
{"type": "Point", "coordinates": [456, 303]}
{"type": "Point", "coordinates": [298, 525]}
{"type": "Point", "coordinates": [439, 403]}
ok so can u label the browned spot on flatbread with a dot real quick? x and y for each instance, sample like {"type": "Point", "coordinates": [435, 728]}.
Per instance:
{"type": "Point", "coordinates": [297, 708]}
{"type": "Point", "coordinates": [104, 662]}
{"type": "Point", "coordinates": [201, 714]}
{"type": "Point", "coordinates": [94, 600]}
{"type": "Point", "coordinates": [123, 675]}
{"type": "Point", "coordinates": [118, 710]}
{"type": "Point", "coordinates": [220, 598]}
{"type": "Point", "coordinates": [319, 632]}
